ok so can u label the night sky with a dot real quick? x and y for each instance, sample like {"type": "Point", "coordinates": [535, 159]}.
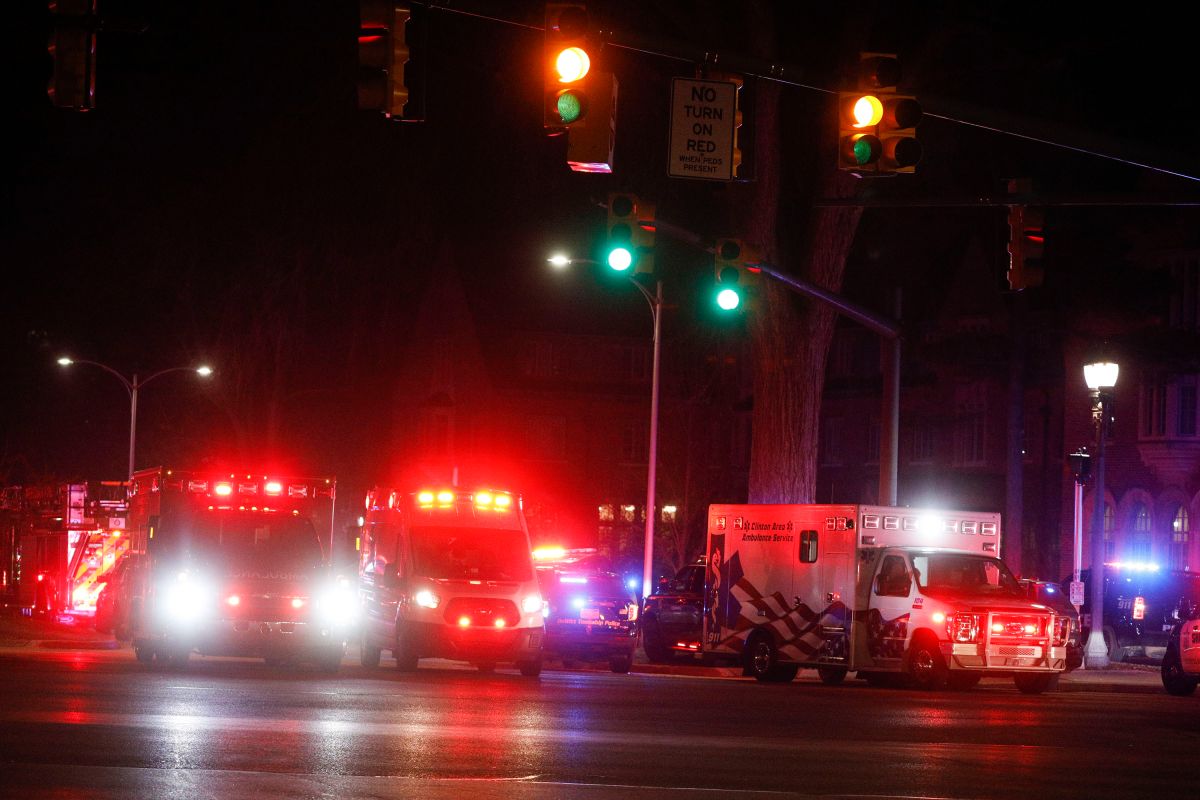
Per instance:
{"type": "Point", "coordinates": [226, 201]}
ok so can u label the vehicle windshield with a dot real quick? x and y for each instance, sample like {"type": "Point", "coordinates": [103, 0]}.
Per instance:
{"type": "Point", "coordinates": [477, 554]}
{"type": "Point", "coordinates": [237, 542]}
{"type": "Point", "coordinates": [959, 574]}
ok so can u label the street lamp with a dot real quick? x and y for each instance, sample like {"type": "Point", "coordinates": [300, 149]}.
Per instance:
{"type": "Point", "coordinates": [561, 261]}
{"type": "Point", "coordinates": [1101, 378]}
{"type": "Point", "coordinates": [132, 386]}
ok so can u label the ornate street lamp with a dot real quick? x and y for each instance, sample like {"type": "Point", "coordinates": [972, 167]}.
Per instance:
{"type": "Point", "coordinates": [1101, 378]}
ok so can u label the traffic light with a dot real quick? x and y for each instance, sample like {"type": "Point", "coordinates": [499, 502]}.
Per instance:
{"type": "Point", "coordinates": [72, 51]}
{"type": "Point", "coordinates": [734, 265]}
{"type": "Point", "coordinates": [578, 100]}
{"type": "Point", "coordinates": [567, 64]}
{"type": "Point", "coordinates": [876, 124]}
{"type": "Point", "coordinates": [630, 242]}
{"type": "Point", "coordinates": [391, 78]}
{"type": "Point", "coordinates": [1026, 240]}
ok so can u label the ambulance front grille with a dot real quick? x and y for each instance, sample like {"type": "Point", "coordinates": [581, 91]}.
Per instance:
{"type": "Point", "coordinates": [1019, 652]}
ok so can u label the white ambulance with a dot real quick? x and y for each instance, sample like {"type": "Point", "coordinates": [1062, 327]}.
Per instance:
{"type": "Point", "coordinates": [884, 592]}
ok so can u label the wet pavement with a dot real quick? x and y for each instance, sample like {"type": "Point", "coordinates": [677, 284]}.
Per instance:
{"type": "Point", "coordinates": [66, 632]}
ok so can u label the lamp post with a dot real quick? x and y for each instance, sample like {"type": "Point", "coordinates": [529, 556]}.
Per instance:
{"type": "Point", "coordinates": [655, 301]}
{"type": "Point", "coordinates": [1101, 378]}
{"type": "Point", "coordinates": [131, 386]}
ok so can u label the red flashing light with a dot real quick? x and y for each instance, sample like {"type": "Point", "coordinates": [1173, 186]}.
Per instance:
{"type": "Point", "coordinates": [41, 577]}
{"type": "Point", "coordinates": [500, 623]}
{"type": "Point", "coordinates": [464, 622]}
{"type": "Point", "coordinates": [233, 600]}
{"type": "Point", "coordinates": [273, 487]}
{"type": "Point", "coordinates": [297, 602]}
{"type": "Point", "coordinates": [223, 489]}
{"type": "Point", "coordinates": [445, 496]}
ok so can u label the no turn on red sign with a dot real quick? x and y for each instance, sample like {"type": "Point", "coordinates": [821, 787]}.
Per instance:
{"type": "Point", "coordinates": [703, 129]}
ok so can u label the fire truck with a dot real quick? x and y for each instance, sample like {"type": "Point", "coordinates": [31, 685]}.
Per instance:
{"type": "Point", "coordinates": [885, 592]}
{"type": "Point", "coordinates": [235, 565]}
{"type": "Point", "coordinates": [448, 573]}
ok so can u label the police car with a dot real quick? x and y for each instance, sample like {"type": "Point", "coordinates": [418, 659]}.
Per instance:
{"type": "Point", "coordinates": [591, 613]}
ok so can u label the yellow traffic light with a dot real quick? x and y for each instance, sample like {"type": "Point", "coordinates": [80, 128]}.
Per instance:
{"type": "Point", "coordinates": [567, 63]}
{"type": "Point", "coordinates": [876, 125]}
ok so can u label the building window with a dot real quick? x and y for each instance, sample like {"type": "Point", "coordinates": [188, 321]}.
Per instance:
{"type": "Point", "coordinates": [970, 425]}
{"type": "Point", "coordinates": [1180, 539]}
{"type": "Point", "coordinates": [1187, 408]}
{"type": "Point", "coordinates": [1139, 547]}
{"type": "Point", "coordinates": [1154, 407]}
{"type": "Point", "coordinates": [606, 512]}
{"type": "Point", "coordinates": [669, 513]}
{"type": "Point", "coordinates": [1185, 295]}
{"type": "Point", "coordinates": [628, 513]}
{"type": "Point", "coordinates": [922, 452]}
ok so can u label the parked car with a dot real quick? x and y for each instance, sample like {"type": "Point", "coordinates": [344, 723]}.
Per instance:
{"type": "Point", "coordinates": [1181, 661]}
{"type": "Point", "coordinates": [591, 612]}
{"type": "Point", "coordinates": [673, 616]}
{"type": "Point", "coordinates": [1054, 596]}
{"type": "Point", "coordinates": [1142, 606]}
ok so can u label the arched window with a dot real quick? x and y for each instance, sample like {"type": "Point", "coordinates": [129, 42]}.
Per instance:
{"type": "Point", "coordinates": [1110, 544]}
{"type": "Point", "coordinates": [1180, 539]}
{"type": "Point", "coordinates": [1139, 547]}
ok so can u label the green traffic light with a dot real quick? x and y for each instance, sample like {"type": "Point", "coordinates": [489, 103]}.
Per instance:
{"type": "Point", "coordinates": [728, 299]}
{"type": "Point", "coordinates": [620, 258]}
{"type": "Point", "coordinates": [570, 105]}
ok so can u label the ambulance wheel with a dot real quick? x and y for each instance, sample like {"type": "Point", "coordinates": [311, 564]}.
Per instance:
{"type": "Point", "coordinates": [406, 657]}
{"type": "Point", "coordinates": [144, 653]}
{"type": "Point", "coordinates": [1174, 679]}
{"type": "Point", "coordinates": [961, 681]}
{"type": "Point", "coordinates": [1035, 683]}
{"type": "Point", "coordinates": [831, 676]}
{"type": "Point", "coordinates": [368, 655]}
{"type": "Point", "coordinates": [925, 667]}
{"type": "Point", "coordinates": [531, 668]}
{"type": "Point", "coordinates": [176, 657]}
{"type": "Point", "coordinates": [763, 660]}
{"type": "Point", "coordinates": [621, 664]}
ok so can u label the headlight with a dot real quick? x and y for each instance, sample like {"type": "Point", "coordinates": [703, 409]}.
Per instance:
{"type": "Point", "coordinates": [338, 605]}
{"type": "Point", "coordinates": [532, 604]}
{"type": "Point", "coordinates": [187, 598]}
{"type": "Point", "coordinates": [427, 599]}
{"type": "Point", "coordinates": [962, 627]}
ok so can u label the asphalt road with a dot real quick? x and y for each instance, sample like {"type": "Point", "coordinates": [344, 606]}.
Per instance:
{"type": "Point", "coordinates": [95, 724]}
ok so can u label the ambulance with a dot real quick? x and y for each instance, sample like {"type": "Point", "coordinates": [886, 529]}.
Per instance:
{"type": "Point", "coordinates": [448, 573]}
{"type": "Point", "coordinates": [891, 594]}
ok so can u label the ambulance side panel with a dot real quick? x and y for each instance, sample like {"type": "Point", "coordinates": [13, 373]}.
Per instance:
{"type": "Point", "coordinates": [785, 570]}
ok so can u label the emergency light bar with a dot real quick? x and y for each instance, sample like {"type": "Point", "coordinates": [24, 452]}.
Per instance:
{"type": "Point", "coordinates": [443, 499]}
{"type": "Point", "coordinates": [1133, 566]}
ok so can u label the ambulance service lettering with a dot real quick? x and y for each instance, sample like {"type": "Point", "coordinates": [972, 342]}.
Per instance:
{"type": "Point", "coordinates": [767, 532]}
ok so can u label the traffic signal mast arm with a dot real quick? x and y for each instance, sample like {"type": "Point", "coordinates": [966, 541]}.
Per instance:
{"type": "Point", "coordinates": [884, 326]}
